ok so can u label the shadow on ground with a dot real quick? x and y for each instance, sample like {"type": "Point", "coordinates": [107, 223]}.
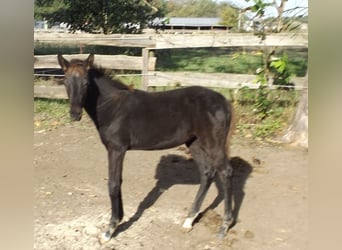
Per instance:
{"type": "Point", "coordinates": [175, 169]}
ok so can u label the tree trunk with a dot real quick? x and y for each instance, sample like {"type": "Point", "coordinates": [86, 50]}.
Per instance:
{"type": "Point", "coordinates": [297, 133]}
{"type": "Point", "coordinates": [280, 10]}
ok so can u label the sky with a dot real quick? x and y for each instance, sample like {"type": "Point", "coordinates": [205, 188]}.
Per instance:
{"type": "Point", "coordinates": [290, 4]}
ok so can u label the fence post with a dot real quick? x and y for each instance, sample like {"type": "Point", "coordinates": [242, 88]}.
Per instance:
{"type": "Point", "coordinates": [145, 61]}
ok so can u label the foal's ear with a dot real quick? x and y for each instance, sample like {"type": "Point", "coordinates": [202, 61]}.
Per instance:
{"type": "Point", "coordinates": [89, 62]}
{"type": "Point", "coordinates": [64, 63]}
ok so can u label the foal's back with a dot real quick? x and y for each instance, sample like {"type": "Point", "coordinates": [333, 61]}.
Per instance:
{"type": "Point", "coordinates": [166, 119]}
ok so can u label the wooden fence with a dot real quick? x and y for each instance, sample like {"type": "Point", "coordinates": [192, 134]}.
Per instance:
{"type": "Point", "coordinates": [169, 41]}
{"type": "Point", "coordinates": [107, 61]}
{"type": "Point", "coordinates": [146, 63]}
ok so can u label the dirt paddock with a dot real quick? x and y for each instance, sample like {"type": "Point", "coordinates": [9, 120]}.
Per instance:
{"type": "Point", "coordinates": [72, 205]}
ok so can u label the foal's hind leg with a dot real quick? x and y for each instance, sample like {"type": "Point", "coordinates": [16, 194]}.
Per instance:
{"type": "Point", "coordinates": [206, 180]}
{"type": "Point", "coordinates": [225, 175]}
{"type": "Point", "coordinates": [207, 175]}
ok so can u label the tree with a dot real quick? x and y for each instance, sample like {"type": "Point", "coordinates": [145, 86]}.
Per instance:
{"type": "Point", "coordinates": [44, 8]}
{"type": "Point", "coordinates": [108, 16]}
{"type": "Point", "coordinates": [229, 16]}
{"type": "Point", "coordinates": [297, 132]}
{"type": "Point", "coordinates": [192, 8]}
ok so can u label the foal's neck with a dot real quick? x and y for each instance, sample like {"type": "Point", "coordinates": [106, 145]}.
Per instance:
{"type": "Point", "coordinates": [101, 93]}
{"type": "Point", "coordinates": [91, 102]}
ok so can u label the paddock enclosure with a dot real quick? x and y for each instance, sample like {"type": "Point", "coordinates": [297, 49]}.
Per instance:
{"type": "Point", "coordinates": [71, 203]}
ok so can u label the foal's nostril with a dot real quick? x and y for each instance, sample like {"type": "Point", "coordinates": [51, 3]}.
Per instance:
{"type": "Point", "coordinates": [75, 116]}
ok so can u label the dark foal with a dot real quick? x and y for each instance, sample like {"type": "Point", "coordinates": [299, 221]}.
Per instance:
{"type": "Point", "coordinates": [132, 119]}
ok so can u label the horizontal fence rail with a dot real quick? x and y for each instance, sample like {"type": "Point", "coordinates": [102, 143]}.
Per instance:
{"type": "Point", "coordinates": [50, 92]}
{"type": "Point", "coordinates": [181, 79]}
{"type": "Point", "coordinates": [214, 80]}
{"type": "Point", "coordinates": [119, 40]}
{"type": "Point", "coordinates": [107, 61]}
{"type": "Point", "coordinates": [169, 41]}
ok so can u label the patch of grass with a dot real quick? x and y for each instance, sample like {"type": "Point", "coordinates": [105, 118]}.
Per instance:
{"type": "Point", "coordinates": [261, 122]}
{"type": "Point", "coordinates": [225, 60]}
{"type": "Point", "coordinates": [130, 80]}
{"type": "Point", "coordinates": [50, 113]}
{"type": "Point", "coordinates": [298, 60]}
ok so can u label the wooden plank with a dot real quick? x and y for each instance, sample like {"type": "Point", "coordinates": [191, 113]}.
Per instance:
{"type": "Point", "coordinates": [145, 56]}
{"type": "Point", "coordinates": [171, 79]}
{"type": "Point", "coordinates": [120, 40]}
{"type": "Point", "coordinates": [163, 41]}
{"type": "Point", "coordinates": [167, 41]}
{"type": "Point", "coordinates": [106, 61]}
{"type": "Point", "coordinates": [220, 80]}
{"type": "Point", "coordinates": [201, 79]}
{"type": "Point", "coordinates": [53, 92]}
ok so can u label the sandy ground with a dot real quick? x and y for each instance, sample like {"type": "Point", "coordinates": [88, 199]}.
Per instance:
{"type": "Point", "coordinates": [72, 204]}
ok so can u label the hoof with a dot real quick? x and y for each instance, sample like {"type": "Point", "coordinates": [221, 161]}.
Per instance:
{"type": "Point", "coordinates": [105, 237]}
{"type": "Point", "coordinates": [222, 232]}
{"type": "Point", "coordinates": [224, 229]}
{"type": "Point", "coordinates": [221, 235]}
{"type": "Point", "coordinates": [187, 225]}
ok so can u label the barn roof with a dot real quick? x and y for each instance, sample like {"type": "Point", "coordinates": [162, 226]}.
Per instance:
{"type": "Point", "coordinates": [188, 22]}
{"type": "Point", "coordinates": [194, 21]}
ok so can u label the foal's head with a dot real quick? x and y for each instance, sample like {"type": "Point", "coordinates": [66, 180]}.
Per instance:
{"type": "Point", "coordinates": [76, 82]}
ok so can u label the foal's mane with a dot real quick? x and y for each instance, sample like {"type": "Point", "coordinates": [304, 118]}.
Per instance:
{"type": "Point", "coordinates": [99, 72]}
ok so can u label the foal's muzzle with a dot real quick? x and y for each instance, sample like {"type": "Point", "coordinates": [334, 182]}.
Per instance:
{"type": "Point", "coordinates": [75, 116]}
{"type": "Point", "coordinates": [75, 112]}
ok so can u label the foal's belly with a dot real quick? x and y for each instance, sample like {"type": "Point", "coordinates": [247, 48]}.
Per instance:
{"type": "Point", "coordinates": [154, 140]}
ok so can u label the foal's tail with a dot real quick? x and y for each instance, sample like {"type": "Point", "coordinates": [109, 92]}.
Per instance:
{"type": "Point", "coordinates": [231, 127]}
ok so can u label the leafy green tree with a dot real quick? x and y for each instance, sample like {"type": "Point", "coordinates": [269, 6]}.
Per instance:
{"type": "Point", "coordinates": [43, 9]}
{"type": "Point", "coordinates": [192, 8]}
{"type": "Point", "coordinates": [229, 16]}
{"type": "Point", "coordinates": [108, 16]}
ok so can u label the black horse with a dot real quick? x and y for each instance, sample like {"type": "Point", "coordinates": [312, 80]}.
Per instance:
{"type": "Point", "coordinates": [132, 119]}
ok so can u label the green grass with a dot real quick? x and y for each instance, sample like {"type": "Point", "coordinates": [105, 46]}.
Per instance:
{"type": "Point", "coordinates": [50, 113]}
{"type": "Point", "coordinates": [254, 122]}
{"type": "Point", "coordinates": [225, 60]}
{"type": "Point", "coordinates": [298, 61]}
{"type": "Point", "coordinates": [131, 80]}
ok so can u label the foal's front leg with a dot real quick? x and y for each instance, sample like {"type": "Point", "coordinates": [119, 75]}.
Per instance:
{"type": "Point", "coordinates": [115, 159]}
